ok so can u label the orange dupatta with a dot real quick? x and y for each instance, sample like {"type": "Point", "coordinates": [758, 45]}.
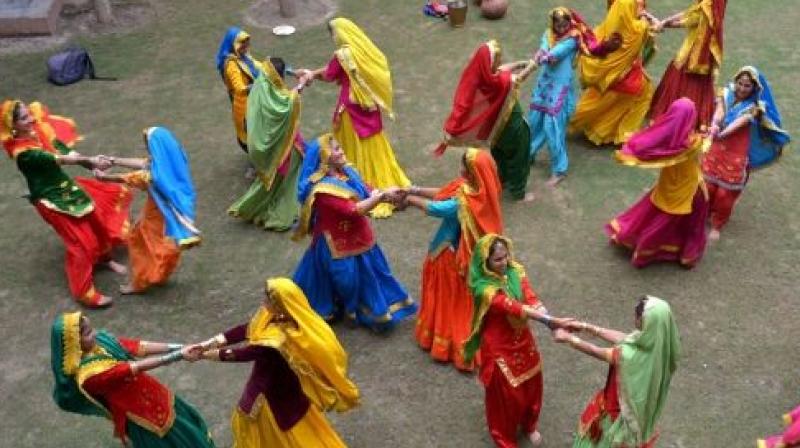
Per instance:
{"type": "Point", "coordinates": [479, 209]}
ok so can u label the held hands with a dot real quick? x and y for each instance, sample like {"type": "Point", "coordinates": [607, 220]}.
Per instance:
{"type": "Point", "coordinates": [101, 162]}
{"type": "Point", "coordinates": [192, 352]}
{"type": "Point", "coordinates": [561, 335]}
{"type": "Point", "coordinates": [394, 195]}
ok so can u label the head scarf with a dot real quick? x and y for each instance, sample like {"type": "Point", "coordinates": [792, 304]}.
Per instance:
{"type": "Point", "coordinates": [273, 115]}
{"type": "Point", "coordinates": [485, 283]}
{"type": "Point", "coordinates": [578, 29]}
{"type": "Point", "coordinates": [647, 360]}
{"type": "Point", "coordinates": [767, 138]}
{"type": "Point", "coordinates": [365, 64]}
{"type": "Point", "coordinates": [480, 98]}
{"type": "Point", "coordinates": [66, 362]}
{"type": "Point", "coordinates": [314, 178]}
{"type": "Point", "coordinates": [50, 130]}
{"type": "Point", "coordinates": [230, 48]}
{"type": "Point", "coordinates": [668, 136]}
{"type": "Point", "coordinates": [479, 210]}
{"type": "Point", "coordinates": [171, 187]}
{"type": "Point", "coordinates": [312, 349]}
{"type": "Point", "coordinates": [622, 18]}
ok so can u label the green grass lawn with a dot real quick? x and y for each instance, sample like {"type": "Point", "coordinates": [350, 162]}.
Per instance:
{"type": "Point", "coordinates": [735, 310]}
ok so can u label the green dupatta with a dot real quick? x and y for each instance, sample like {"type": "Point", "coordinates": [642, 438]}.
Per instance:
{"type": "Point", "coordinates": [273, 114]}
{"type": "Point", "coordinates": [66, 359]}
{"type": "Point", "coordinates": [647, 360]}
{"type": "Point", "coordinates": [484, 284]}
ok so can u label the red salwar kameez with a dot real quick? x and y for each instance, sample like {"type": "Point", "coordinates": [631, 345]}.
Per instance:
{"type": "Point", "coordinates": [90, 216]}
{"type": "Point", "coordinates": [511, 368]}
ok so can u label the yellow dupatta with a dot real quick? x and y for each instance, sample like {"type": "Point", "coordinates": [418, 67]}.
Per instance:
{"type": "Point", "coordinates": [365, 64]}
{"type": "Point", "coordinates": [621, 18]}
{"type": "Point", "coordinates": [310, 347]}
{"type": "Point", "coordinates": [699, 21]}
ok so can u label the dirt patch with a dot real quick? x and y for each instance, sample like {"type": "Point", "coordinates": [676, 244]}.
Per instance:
{"type": "Point", "coordinates": [79, 20]}
{"type": "Point", "coordinates": [267, 14]}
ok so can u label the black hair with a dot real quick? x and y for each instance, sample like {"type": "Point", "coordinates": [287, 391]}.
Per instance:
{"type": "Point", "coordinates": [639, 310]}
{"type": "Point", "coordinates": [16, 112]}
{"type": "Point", "coordinates": [495, 244]}
{"type": "Point", "coordinates": [280, 66]}
{"type": "Point", "coordinates": [743, 73]}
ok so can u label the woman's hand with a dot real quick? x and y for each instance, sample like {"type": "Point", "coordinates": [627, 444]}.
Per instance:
{"type": "Point", "coordinates": [192, 352]}
{"type": "Point", "coordinates": [562, 322]}
{"type": "Point", "coordinates": [101, 162]}
{"type": "Point", "coordinates": [561, 335]}
{"type": "Point", "coordinates": [99, 174]}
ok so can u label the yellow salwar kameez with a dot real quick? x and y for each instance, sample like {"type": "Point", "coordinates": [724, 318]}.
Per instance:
{"type": "Point", "coordinates": [617, 90]}
{"type": "Point", "coordinates": [262, 431]}
{"type": "Point", "coordinates": [299, 372]}
{"type": "Point", "coordinates": [362, 71]}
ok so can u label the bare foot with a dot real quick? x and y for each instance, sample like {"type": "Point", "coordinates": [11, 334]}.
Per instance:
{"type": "Point", "coordinates": [529, 197]}
{"type": "Point", "coordinates": [102, 302]}
{"type": "Point", "coordinates": [118, 268]}
{"type": "Point", "coordinates": [536, 438]}
{"type": "Point", "coordinates": [554, 180]}
{"type": "Point", "coordinates": [126, 289]}
{"type": "Point", "coordinates": [713, 235]}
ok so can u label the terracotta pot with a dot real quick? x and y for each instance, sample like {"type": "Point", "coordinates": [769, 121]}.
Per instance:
{"type": "Point", "coordinates": [494, 9]}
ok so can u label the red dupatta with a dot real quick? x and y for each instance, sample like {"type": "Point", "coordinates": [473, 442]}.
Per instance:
{"type": "Point", "coordinates": [480, 96]}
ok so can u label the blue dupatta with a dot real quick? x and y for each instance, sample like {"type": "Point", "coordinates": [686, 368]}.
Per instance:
{"type": "Point", "coordinates": [767, 138]}
{"type": "Point", "coordinates": [314, 176]}
{"type": "Point", "coordinates": [227, 48]}
{"type": "Point", "coordinates": [171, 186]}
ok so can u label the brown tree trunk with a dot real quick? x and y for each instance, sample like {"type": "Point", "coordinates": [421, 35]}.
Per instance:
{"type": "Point", "coordinates": [288, 8]}
{"type": "Point", "coordinates": [102, 9]}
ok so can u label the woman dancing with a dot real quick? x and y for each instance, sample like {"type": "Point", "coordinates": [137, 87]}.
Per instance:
{"type": "Point", "coordinates": [626, 411]}
{"type": "Point", "coordinates": [362, 72]}
{"type": "Point", "coordinates": [469, 207]}
{"type": "Point", "coordinates": [617, 90]}
{"type": "Point", "coordinates": [299, 372]}
{"type": "Point", "coordinates": [344, 272]}
{"type": "Point", "coordinates": [90, 216]}
{"type": "Point", "coordinates": [511, 369]}
{"type": "Point", "coordinates": [747, 136]}
{"type": "Point", "coordinates": [99, 374]}
{"type": "Point", "coordinates": [486, 113]}
{"type": "Point", "coordinates": [166, 224]}
{"type": "Point", "coordinates": [668, 222]}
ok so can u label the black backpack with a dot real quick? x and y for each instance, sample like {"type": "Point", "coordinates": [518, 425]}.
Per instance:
{"type": "Point", "coordinates": [70, 66]}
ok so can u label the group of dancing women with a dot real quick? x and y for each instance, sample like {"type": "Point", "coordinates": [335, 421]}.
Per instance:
{"type": "Point", "coordinates": [477, 300]}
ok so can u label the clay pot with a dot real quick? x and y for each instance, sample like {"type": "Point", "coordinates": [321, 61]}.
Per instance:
{"type": "Point", "coordinates": [494, 9]}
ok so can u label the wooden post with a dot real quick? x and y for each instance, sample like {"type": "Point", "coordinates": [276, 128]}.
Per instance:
{"type": "Point", "coordinates": [102, 9]}
{"type": "Point", "coordinates": [288, 8]}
